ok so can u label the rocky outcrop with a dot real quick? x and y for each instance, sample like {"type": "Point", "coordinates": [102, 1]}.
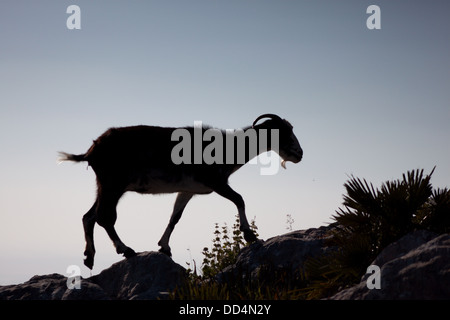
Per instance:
{"type": "Point", "coordinates": [415, 267]}
{"type": "Point", "coordinates": [285, 253]}
{"type": "Point", "coordinates": [149, 275]}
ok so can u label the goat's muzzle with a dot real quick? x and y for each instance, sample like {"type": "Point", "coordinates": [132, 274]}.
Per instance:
{"type": "Point", "coordinates": [294, 156]}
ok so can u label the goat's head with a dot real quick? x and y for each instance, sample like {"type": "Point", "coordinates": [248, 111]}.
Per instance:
{"type": "Point", "coordinates": [289, 147]}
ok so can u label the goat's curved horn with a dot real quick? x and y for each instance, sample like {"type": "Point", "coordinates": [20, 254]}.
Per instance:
{"type": "Point", "coordinates": [267, 115]}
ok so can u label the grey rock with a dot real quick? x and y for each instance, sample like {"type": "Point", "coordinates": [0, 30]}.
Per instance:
{"type": "Point", "coordinates": [285, 253]}
{"type": "Point", "coordinates": [416, 267]}
{"type": "Point", "coordinates": [148, 275]}
{"type": "Point", "coordinates": [87, 291]}
{"type": "Point", "coordinates": [48, 287]}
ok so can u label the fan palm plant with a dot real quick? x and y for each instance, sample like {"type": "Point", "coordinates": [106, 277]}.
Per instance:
{"type": "Point", "coordinates": [383, 215]}
{"type": "Point", "coordinates": [371, 219]}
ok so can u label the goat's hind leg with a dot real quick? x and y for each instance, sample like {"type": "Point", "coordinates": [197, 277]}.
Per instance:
{"type": "Point", "coordinates": [121, 248]}
{"type": "Point", "coordinates": [106, 217]}
{"type": "Point", "coordinates": [88, 224]}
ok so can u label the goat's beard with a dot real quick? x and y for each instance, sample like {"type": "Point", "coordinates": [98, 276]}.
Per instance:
{"type": "Point", "coordinates": [283, 164]}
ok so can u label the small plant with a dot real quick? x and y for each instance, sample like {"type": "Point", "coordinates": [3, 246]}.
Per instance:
{"type": "Point", "coordinates": [224, 249]}
{"type": "Point", "coordinates": [289, 222]}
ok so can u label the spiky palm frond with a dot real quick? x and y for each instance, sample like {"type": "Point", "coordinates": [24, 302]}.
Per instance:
{"type": "Point", "coordinates": [372, 218]}
{"type": "Point", "coordinates": [361, 196]}
{"type": "Point", "coordinates": [435, 216]}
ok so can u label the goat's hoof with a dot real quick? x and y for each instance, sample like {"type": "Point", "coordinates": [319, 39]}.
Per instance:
{"type": "Point", "coordinates": [89, 262]}
{"type": "Point", "coordinates": [129, 253]}
{"type": "Point", "coordinates": [249, 236]}
{"type": "Point", "coordinates": [167, 252]}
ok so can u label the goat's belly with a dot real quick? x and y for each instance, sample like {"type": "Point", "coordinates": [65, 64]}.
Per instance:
{"type": "Point", "coordinates": [154, 185]}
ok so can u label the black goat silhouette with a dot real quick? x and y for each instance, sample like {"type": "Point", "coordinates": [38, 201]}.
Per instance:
{"type": "Point", "coordinates": [139, 158]}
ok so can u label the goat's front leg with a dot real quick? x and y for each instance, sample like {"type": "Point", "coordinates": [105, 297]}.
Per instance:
{"type": "Point", "coordinates": [180, 203]}
{"type": "Point", "coordinates": [226, 192]}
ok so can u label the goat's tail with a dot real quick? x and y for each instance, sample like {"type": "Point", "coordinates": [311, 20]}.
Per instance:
{"type": "Point", "coordinates": [62, 156]}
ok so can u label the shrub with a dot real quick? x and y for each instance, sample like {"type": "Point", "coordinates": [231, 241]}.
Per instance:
{"type": "Point", "coordinates": [370, 220]}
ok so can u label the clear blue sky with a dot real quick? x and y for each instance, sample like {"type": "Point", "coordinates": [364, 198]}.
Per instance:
{"type": "Point", "coordinates": [372, 103]}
